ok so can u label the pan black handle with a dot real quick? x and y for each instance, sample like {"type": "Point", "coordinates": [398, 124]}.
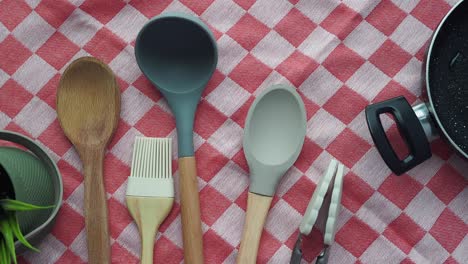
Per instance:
{"type": "Point", "coordinates": [410, 129]}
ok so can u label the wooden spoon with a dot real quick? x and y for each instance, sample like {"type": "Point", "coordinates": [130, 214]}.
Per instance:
{"type": "Point", "coordinates": [88, 107]}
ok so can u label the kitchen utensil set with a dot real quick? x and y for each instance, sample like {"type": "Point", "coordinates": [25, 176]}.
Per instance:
{"type": "Point", "coordinates": [178, 54]}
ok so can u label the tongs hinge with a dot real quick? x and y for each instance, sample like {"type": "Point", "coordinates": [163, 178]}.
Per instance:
{"type": "Point", "coordinates": [322, 258]}
{"type": "Point", "coordinates": [297, 251]}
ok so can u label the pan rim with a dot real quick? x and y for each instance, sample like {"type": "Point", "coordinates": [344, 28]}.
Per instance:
{"type": "Point", "coordinates": [428, 83]}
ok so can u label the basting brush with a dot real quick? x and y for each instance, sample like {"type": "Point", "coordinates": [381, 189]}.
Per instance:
{"type": "Point", "coordinates": [150, 189]}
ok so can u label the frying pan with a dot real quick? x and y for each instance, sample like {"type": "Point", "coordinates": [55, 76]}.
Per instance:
{"type": "Point", "coordinates": [445, 111]}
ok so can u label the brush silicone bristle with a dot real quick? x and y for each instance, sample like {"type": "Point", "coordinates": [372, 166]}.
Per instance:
{"type": "Point", "coordinates": [151, 158]}
{"type": "Point", "coordinates": [151, 172]}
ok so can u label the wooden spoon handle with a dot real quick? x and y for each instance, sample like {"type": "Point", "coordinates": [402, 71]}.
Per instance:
{"type": "Point", "coordinates": [257, 211]}
{"type": "Point", "coordinates": [95, 204]}
{"type": "Point", "coordinates": [190, 210]}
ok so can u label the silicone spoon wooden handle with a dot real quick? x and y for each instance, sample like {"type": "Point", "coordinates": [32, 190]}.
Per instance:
{"type": "Point", "coordinates": [257, 211]}
{"type": "Point", "coordinates": [95, 204]}
{"type": "Point", "coordinates": [190, 210]}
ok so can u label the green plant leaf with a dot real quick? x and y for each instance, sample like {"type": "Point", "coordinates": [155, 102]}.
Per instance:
{"type": "Point", "coordinates": [8, 239]}
{"type": "Point", "coordinates": [15, 228]}
{"type": "Point", "coordinates": [4, 254]}
{"type": "Point", "coordinates": [14, 205]}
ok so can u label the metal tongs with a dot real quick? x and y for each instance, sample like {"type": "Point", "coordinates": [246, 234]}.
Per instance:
{"type": "Point", "coordinates": [332, 180]}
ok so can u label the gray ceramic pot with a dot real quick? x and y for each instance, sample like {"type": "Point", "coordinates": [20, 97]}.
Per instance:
{"type": "Point", "coordinates": [35, 179]}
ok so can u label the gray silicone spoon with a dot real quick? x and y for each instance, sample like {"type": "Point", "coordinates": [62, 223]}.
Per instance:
{"type": "Point", "coordinates": [178, 54]}
{"type": "Point", "coordinates": [273, 137]}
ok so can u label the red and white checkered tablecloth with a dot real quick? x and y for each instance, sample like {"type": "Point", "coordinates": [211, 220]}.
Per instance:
{"type": "Point", "coordinates": [340, 55]}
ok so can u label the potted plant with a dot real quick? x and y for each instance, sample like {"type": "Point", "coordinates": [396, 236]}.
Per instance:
{"type": "Point", "coordinates": [10, 229]}
{"type": "Point", "coordinates": [30, 195]}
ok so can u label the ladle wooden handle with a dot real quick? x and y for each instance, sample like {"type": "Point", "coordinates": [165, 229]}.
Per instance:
{"type": "Point", "coordinates": [257, 211]}
{"type": "Point", "coordinates": [97, 230]}
{"type": "Point", "coordinates": [190, 210]}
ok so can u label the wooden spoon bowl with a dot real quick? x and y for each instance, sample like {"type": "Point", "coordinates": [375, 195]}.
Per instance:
{"type": "Point", "coordinates": [88, 108]}
{"type": "Point", "coordinates": [88, 102]}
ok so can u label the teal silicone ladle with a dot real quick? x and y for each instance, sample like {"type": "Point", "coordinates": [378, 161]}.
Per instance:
{"type": "Point", "coordinates": [178, 54]}
{"type": "Point", "coordinates": [274, 133]}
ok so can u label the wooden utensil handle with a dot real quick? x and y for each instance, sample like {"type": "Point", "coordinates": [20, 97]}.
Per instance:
{"type": "Point", "coordinates": [95, 203]}
{"type": "Point", "coordinates": [190, 210]}
{"type": "Point", "coordinates": [148, 213]}
{"type": "Point", "coordinates": [257, 211]}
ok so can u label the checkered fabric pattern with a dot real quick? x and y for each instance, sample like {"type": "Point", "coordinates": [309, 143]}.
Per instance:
{"type": "Point", "coordinates": [340, 55]}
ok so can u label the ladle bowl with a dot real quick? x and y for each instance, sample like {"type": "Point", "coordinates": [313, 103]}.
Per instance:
{"type": "Point", "coordinates": [177, 53]}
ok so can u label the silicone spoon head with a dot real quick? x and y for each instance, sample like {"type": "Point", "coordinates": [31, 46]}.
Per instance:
{"type": "Point", "coordinates": [273, 137]}
{"type": "Point", "coordinates": [178, 54]}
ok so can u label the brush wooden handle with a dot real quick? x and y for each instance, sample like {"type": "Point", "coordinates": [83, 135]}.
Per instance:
{"type": "Point", "coordinates": [190, 210]}
{"type": "Point", "coordinates": [148, 213]}
{"type": "Point", "coordinates": [257, 211]}
{"type": "Point", "coordinates": [95, 203]}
